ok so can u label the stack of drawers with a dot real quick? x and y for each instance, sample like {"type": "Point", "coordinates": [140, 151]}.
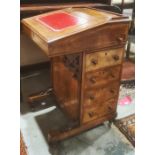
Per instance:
{"type": "Point", "coordinates": [102, 78]}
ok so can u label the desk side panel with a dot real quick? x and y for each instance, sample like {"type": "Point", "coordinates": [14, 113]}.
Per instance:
{"type": "Point", "coordinates": [66, 88]}
{"type": "Point", "coordinates": [33, 36]}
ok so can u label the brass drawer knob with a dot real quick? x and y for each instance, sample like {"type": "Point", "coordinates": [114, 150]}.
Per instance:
{"type": "Point", "coordinates": [91, 114]}
{"type": "Point", "coordinates": [94, 61]}
{"type": "Point", "coordinates": [116, 57]}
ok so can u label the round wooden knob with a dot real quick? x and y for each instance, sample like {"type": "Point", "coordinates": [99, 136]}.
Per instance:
{"type": "Point", "coordinates": [74, 75]}
{"type": "Point", "coordinates": [116, 57]}
{"type": "Point", "coordinates": [112, 91]}
{"type": "Point", "coordinates": [109, 108]}
{"type": "Point", "coordinates": [120, 39]}
{"type": "Point", "coordinates": [93, 80]}
{"type": "Point", "coordinates": [65, 59]}
{"type": "Point", "coordinates": [92, 97]}
{"type": "Point", "coordinates": [112, 75]}
{"type": "Point", "coordinates": [91, 114]}
{"type": "Point", "coordinates": [94, 61]}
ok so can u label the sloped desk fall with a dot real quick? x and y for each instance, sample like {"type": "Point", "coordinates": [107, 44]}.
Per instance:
{"type": "Point", "coordinates": [86, 48]}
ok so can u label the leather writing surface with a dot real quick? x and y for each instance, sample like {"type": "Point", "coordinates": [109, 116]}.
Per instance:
{"type": "Point", "coordinates": [61, 20]}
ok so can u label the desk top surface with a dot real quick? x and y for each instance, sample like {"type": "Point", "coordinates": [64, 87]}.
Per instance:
{"type": "Point", "coordinates": [59, 24]}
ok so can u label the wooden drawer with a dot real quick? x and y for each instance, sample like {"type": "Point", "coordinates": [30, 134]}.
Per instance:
{"type": "Point", "coordinates": [107, 107]}
{"type": "Point", "coordinates": [101, 94]}
{"type": "Point", "coordinates": [100, 110]}
{"type": "Point", "coordinates": [102, 77]}
{"type": "Point", "coordinates": [103, 59]}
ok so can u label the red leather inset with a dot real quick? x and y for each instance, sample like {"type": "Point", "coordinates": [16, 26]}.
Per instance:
{"type": "Point", "coordinates": [59, 21]}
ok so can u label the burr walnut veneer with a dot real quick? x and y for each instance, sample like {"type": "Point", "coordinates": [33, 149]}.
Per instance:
{"type": "Point", "coordinates": [86, 48]}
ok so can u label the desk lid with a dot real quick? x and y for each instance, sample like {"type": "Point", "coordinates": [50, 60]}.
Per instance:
{"type": "Point", "coordinates": [47, 28]}
{"type": "Point", "coordinates": [59, 24]}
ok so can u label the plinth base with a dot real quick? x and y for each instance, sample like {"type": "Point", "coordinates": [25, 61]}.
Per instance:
{"type": "Point", "coordinates": [57, 135]}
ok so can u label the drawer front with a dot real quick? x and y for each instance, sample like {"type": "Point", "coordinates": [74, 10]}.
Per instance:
{"type": "Point", "coordinates": [108, 107]}
{"type": "Point", "coordinates": [90, 114]}
{"type": "Point", "coordinates": [102, 77]}
{"type": "Point", "coordinates": [101, 110]}
{"type": "Point", "coordinates": [101, 94]}
{"type": "Point", "coordinates": [103, 59]}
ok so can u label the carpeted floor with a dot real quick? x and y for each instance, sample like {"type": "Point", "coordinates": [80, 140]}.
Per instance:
{"type": "Point", "coordinates": [22, 146]}
{"type": "Point", "coordinates": [127, 127]}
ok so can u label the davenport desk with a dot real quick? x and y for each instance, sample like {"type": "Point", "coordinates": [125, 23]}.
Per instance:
{"type": "Point", "coordinates": [86, 49]}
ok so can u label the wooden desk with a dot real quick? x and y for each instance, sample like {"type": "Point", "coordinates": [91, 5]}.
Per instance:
{"type": "Point", "coordinates": [86, 47]}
